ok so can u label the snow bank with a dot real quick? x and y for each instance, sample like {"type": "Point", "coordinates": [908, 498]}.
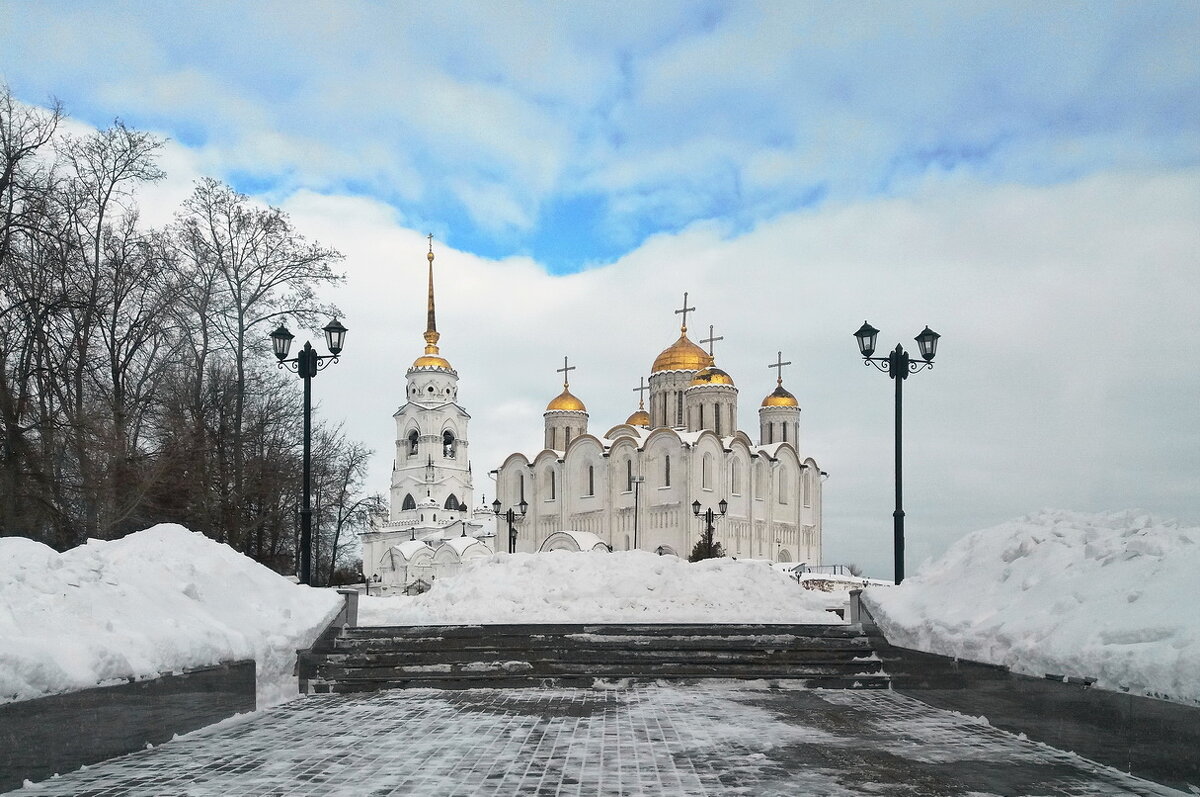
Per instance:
{"type": "Point", "coordinates": [1109, 596]}
{"type": "Point", "coordinates": [594, 587]}
{"type": "Point", "coordinates": [158, 601]}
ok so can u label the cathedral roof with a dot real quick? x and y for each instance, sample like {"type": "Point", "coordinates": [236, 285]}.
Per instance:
{"type": "Point", "coordinates": [682, 355]}
{"type": "Point", "coordinates": [566, 401]}
{"type": "Point", "coordinates": [780, 397]}
{"type": "Point", "coordinates": [712, 375]}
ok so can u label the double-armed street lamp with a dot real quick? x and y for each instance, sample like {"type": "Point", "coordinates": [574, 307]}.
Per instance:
{"type": "Point", "coordinates": [511, 516]}
{"type": "Point", "coordinates": [710, 519]}
{"type": "Point", "coordinates": [305, 365]}
{"type": "Point", "coordinates": [897, 365]}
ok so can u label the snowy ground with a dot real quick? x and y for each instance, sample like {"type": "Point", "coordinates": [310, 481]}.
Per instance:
{"type": "Point", "coordinates": [1110, 596]}
{"type": "Point", "coordinates": [596, 587]}
{"type": "Point", "coordinates": [159, 601]}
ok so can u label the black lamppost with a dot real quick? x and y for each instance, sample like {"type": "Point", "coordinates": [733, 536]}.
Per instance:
{"type": "Point", "coordinates": [306, 364]}
{"type": "Point", "coordinates": [637, 488]}
{"type": "Point", "coordinates": [709, 524]}
{"type": "Point", "coordinates": [511, 516]}
{"type": "Point", "coordinates": [898, 366]}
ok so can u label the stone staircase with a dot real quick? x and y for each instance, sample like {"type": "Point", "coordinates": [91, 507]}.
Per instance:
{"type": "Point", "coordinates": [496, 656]}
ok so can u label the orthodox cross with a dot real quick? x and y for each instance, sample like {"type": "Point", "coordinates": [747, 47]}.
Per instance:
{"type": "Point", "coordinates": [779, 363]}
{"type": "Point", "coordinates": [564, 370]}
{"type": "Point", "coordinates": [641, 390]}
{"type": "Point", "coordinates": [710, 340]}
{"type": "Point", "coordinates": [430, 237]}
{"type": "Point", "coordinates": [685, 311]}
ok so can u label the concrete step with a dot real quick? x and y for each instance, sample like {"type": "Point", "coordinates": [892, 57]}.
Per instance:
{"type": "Point", "coordinates": [580, 681]}
{"type": "Point", "coordinates": [332, 671]}
{"type": "Point", "coordinates": [396, 658]}
{"type": "Point", "coordinates": [638, 629]}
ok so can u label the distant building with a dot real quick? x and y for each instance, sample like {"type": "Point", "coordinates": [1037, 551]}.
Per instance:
{"type": "Point", "coordinates": [431, 529]}
{"type": "Point", "coordinates": [635, 485]}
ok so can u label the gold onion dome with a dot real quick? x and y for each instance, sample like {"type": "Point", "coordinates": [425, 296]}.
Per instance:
{"type": "Point", "coordinates": [780, 397]}
{"type": "Point", "coordinates": [712, 375]}
{"type": "Point", "coordinates": [566, 401]}
{"type": "Point", "coordinates": [682, 355]}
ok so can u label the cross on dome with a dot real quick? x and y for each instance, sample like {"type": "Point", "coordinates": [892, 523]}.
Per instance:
{"type": "Point", "coordinates": [779, 363]}
{"type": "Point", "coordinates": [685, 311]}
{"type": "Point", "coordinates": [564, 370]}
{"type": "Point", "coordinates": [711, 339]}
{"type": "Point", "coordinates": [641, 391]}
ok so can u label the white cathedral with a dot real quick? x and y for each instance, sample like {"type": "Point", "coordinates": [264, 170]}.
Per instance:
{"type": "Point", "coordinates": [649, 482]}
{"type": "Point", "coordinates": [646, 483]}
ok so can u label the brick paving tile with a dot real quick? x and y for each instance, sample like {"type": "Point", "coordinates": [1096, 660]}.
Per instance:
{"type": "Point", "coordinates": [709, 738]}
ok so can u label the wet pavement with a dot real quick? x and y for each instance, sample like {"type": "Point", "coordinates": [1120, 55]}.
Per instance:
{"type": "Point", "coordinates": [697, 739]}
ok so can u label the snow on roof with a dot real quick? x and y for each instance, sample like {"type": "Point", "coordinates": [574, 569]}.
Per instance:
{"type": "Point", "coordinates": [585, 540]}
{"type": "Point", "coordinates": [409, 547]}
{"type": "Point", "coordinates": [461, 544]}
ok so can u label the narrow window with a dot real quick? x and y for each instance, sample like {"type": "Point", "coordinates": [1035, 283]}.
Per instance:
{"type": "Point", "coordinates": [806, 484]}
{"type": "Point", "coordinates": [521, 486]}
{"type": "Point", "coordinates": [567, 441]}
{"type": "Point", "coordinates": [701, 425]}
{"type": "Point", "coordinates": [679, 408]}
{"type": "Point", "coordinates": [409, 503]}
{"type": "Point", "coordinates": [667, 472]}
{"type": "Point", "coordinates": [591, 480]}
{"type": "Point", "coordinates": [553, 487]}
{"type": "Point", "coordinates": [448, 447]}
{"type": "Point", "coordinates": [784, 426]}
{"type": "Point", "coordinates": [783, 486]}
{"type": "Point", "coordinates": [717, 418]}
{"type": "Point", "coordinates": [413, 439]}
{"type": "Point", "coordinates": [628, 475]}
{"type": "Point", "coordinates": [706, 472]}
{"type": "Point", "coordinates": [736, 480]}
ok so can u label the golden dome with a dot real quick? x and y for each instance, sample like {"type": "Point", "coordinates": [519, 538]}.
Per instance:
{"type": "Point", "coordinates": [566, 401]}
{"type": "Point", "coordinates": [682, 355]}
{"type": "Point", "coordinates": [431, 361]}
{"type": "Point", "coordinates": [639, 418]}
{"type": "Point", "coordinates": [712, 375]}
{"type": "Point", "coordinates": [780, 398]}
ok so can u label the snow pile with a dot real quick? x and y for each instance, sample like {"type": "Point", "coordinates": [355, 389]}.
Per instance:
{"type": "Point", "coordinates": [1108, 596]}
{"type": "Point", "coordinates": [594, 587]}
{"type": "Point", "coordinates": [158, 601]}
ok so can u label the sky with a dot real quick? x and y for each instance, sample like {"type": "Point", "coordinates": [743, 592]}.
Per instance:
{"type": "Point", "coordinates": [1024, 178]}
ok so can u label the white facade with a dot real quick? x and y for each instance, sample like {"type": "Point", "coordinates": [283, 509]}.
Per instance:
{"type": "Point", "coordinates": [431, 528]}
{"type": "Point", "coordinates": [634, 486]}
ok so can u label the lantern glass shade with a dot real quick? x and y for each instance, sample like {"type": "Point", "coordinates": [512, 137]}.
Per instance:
{"type": "Point", "coordinates": [927, 340]}
{"type": "Point", "coordinates": [695, 507]}
{"type": "Point", "coordinates": [335, 336]}
{"type": "Point", "coordinates": [496, 506]}
{"type": "Point", "coordinates": [866, 335]}
{"type": "Point", "coordinates": [723, 506]}
{"type": "Point", "coordinates": [524, 506]}
{"type": "Point", "coordinates": [281, 342]}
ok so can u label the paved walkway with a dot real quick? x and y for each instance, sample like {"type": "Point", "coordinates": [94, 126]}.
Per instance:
{"type": "Point", "coordinates": [708, 739]}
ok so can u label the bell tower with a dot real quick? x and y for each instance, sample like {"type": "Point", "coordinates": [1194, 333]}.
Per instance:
{"type": "Point", "coordinates": [431, 477]}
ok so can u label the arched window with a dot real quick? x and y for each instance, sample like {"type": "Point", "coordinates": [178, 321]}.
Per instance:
{"type": "Point", "coordinates": [413, 439]}
{"type": "Point", "coordinates": [760, 479]}
{"type": "Point", "coordinates": [409, 503]}
{"type": "Point", "coordinates": [553, 484]}
{"type": "Point", "coordinates": [806, 486]}
{"type": "Point", "coordinates": [591, 480]}
{"type": "Point", "coordinates": [679, 408]}
{"type": "Point", "coordinates": [783, 486]}
{"type": "Point", "coordinates": [717, 419]}
{"type": "Point", "coordinates": [520, 487]}
{"type": "Point", "coordinates": [628, 477]}
{"type": "Point", "coordinates": [667, 471]}
{"type": "Point", "coordinates": [735, 485]}
{"type": "Point", "coordinates": [448, 444]}
{"type": "Point", "coordinates": [784, 427]}
{"type": "Point", "coordinates": [706, 466]}
{"type": "Point", "coordinates": [452, 503]}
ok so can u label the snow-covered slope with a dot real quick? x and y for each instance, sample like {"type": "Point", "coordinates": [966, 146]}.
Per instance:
{"type": "Point", "coordinates": [595, 587]}
{"type": "Point", "coordinates": [1114, 597]}
{"type": "Point", "coordinates": [157, 601]}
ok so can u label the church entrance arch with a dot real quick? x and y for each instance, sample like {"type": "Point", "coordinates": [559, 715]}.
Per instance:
{"type": "Point", "coordinates": [665, 550]}
{"type": "Point", "coordinates": [784, 556]}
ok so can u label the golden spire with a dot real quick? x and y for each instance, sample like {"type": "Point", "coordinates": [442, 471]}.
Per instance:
{"type": "Point", "coordinates": [431, 358]}
{"type": "Point", "coordinates": [431, 333]}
